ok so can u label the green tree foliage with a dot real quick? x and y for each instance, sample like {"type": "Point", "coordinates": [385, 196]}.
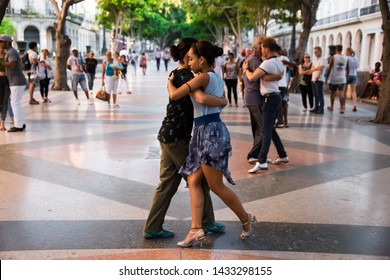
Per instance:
{"type": "Point", "coordinates": [6, 27]}
{"type": "Point", "coordinates": [119, 15]}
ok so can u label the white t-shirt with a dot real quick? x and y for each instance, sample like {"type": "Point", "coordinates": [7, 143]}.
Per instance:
{"type": "Point", "coordinates": [353, 65]}
{"type": "Point", "coordinates": [31, 56]}
{"type": "Point", "coordinates": [318, 61]}
{"type": "Point", "coordinates": [125, 53]}
{"type": "Point", "coordinates": [218, 65]}
{"type": "Point", "coordinates": [283, 82]}
{"type": "Point", "coordinates": [270, 66]}
{"type": "Point", "coordinates": [76, 65]}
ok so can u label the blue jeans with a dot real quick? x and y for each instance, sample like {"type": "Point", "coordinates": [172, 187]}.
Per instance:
{"type": "Point", "coordinates": [270, 110]}
{"type": "Point", "coordinates": [318, 95]}
{"type": "Point", "coordinates": [91, 78]}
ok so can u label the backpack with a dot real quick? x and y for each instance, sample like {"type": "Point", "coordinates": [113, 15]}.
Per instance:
{"type": "Point", "coordinates": [26, 64]}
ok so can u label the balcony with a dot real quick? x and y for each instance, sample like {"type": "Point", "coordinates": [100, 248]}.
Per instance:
{"type": "Point", "coordinates": [353, 14]}
{"type": "Point", "coordinates": [371, 9]}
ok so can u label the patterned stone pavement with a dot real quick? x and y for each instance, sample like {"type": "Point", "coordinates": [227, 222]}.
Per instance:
{"type": "Point", "coordinates": [78, 184]}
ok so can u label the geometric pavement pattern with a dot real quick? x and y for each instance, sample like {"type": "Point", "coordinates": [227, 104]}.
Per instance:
{"type": "Point", "coordinates": [79, 182]}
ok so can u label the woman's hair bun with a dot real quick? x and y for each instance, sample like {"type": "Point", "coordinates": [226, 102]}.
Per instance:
{"type": "Point", "coordinates": [218, 51]}
{"type": "Point", "coordinates": [175, 52]}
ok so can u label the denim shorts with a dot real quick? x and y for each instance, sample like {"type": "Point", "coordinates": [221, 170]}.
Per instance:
{"type": "Point", "coordinates": [351, 80]}
{"type": "Point", "coordinates": [79, 79]}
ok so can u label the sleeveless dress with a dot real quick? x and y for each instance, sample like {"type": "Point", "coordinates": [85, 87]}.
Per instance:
{"type": "Point", "coordinates": [210, 143]}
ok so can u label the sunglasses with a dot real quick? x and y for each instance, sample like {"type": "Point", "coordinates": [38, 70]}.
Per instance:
{"type": "Point", "coordinates": [306, 56]}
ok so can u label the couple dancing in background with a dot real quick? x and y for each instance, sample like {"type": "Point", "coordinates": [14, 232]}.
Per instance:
{"type": "Point", "coordinates": [202, 159]}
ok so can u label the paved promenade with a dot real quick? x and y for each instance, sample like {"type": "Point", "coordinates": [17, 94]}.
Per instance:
{"type": "Point", "coordinates": [78, 183]}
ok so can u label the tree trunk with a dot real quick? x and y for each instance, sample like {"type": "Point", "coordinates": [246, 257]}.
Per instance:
{"type": "Point", "coordinates": [3, 7]}
{"type": "Point", "coordinates": [383, 112]}
{"type": "Point", "coordinates": [309, 14]}
{"type": "Point", "coordinates": [62, 44]}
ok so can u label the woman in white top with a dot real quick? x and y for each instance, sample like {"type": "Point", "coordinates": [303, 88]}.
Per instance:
{"type": "Point", "coordinates": [210, 145]}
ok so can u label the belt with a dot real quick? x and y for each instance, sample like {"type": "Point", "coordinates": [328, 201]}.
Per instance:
{"type": "Point", "coordinates": [207, 119]}
{"type": "Point", "coordinates": [271, 94]}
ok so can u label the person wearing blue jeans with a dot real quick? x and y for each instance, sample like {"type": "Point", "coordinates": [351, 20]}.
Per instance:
{"type": "Point", "coordinates": [317, 79]}
{"type": "Point", "coordinates": [272, 101]}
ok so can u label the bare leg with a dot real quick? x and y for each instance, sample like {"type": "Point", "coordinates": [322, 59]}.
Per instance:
{"type": "Point", "coordinates": [341, 99]}
{"type": "Point", "coordinates": [87, 94]}
{"type": "Point", "coordinates": [353, 94]}
{"type": "Point", "coordinates": [197, 203]}
{"type": "Point", "coordinates": [215, 181]}
{"type": "Point", "coordinates": [332, 98]}
{"type": "Point", "coordinates": [114, 98]}
{"type": "Point", "coordinates": [31, 87]}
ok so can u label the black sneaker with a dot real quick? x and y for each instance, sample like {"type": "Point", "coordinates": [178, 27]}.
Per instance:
{"type": "Point", "coordinates": [17, 129]}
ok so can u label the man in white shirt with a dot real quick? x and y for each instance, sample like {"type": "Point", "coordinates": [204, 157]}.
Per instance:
{"type": "Point", "coordinates": [75, 64]}
{"type": "Point", "coordinates": [272, 101]}
{"type": "Point", "coordinates": [157, 56]}
{"type": "Point", "coordinates": [317, 80]}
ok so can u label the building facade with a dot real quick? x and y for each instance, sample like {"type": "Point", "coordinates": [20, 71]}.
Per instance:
{"type": "Point", "coordinates": [34, 21]}
{"type": "Point", "coordinates": [351, 23]}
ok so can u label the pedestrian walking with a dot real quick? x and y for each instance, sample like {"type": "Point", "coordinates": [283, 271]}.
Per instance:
{"type": "Point", "coordinates": [75, 64]}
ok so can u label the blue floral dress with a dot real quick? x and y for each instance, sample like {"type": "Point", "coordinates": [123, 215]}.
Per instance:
{"type": "Point", "coordinates": [210, 143]}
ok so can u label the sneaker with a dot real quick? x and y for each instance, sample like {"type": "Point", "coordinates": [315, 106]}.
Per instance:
{"type": "Point", "coordinates": [116, 106]}
{"type": "Point", "coordinates": [252, 160]}
{"type": "Point", "coordinates": [215, 228]}
{"type": "Point", "coordinates": [33, 102]}
{"type": "Point", "coordinates": [11, 120]}
{"type": "Point", "coordinates": [77, 102]}
{"type": "Point", "coordinates": [259, 166]}
{"type": "Point", "coordinates": [109, 105]}
{"type": "Point", "coordinates": [90, 102]}
{"type": "Point", "coordinates": [304, 110]}
{"type": "Point", "coordinates": [278, 160]}
{"type": "Point", "coordinates": [156, 235]}
{"type": "Point", "coordinates": [279, 125]}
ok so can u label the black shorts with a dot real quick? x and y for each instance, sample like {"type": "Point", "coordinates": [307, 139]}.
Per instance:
{"type": "Point", "coordinates": [334, 87]}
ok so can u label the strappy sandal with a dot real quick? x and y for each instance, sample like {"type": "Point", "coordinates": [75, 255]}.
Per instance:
{"type": "Point", "coordinates": [198, 235]}
{"type": "Point", "coordinates": [247, 234]}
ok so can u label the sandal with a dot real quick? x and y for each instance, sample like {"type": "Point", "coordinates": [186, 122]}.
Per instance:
{"type": "Point", "coordinates": [247, 234]}
{"type": "Point", "coordinates": [197, 234]}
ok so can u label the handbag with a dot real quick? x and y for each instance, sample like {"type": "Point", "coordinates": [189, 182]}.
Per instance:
{"type": "Point", "coordinates": [103, 95]}
{"type": "Point", "coordinates": [34, 75]}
